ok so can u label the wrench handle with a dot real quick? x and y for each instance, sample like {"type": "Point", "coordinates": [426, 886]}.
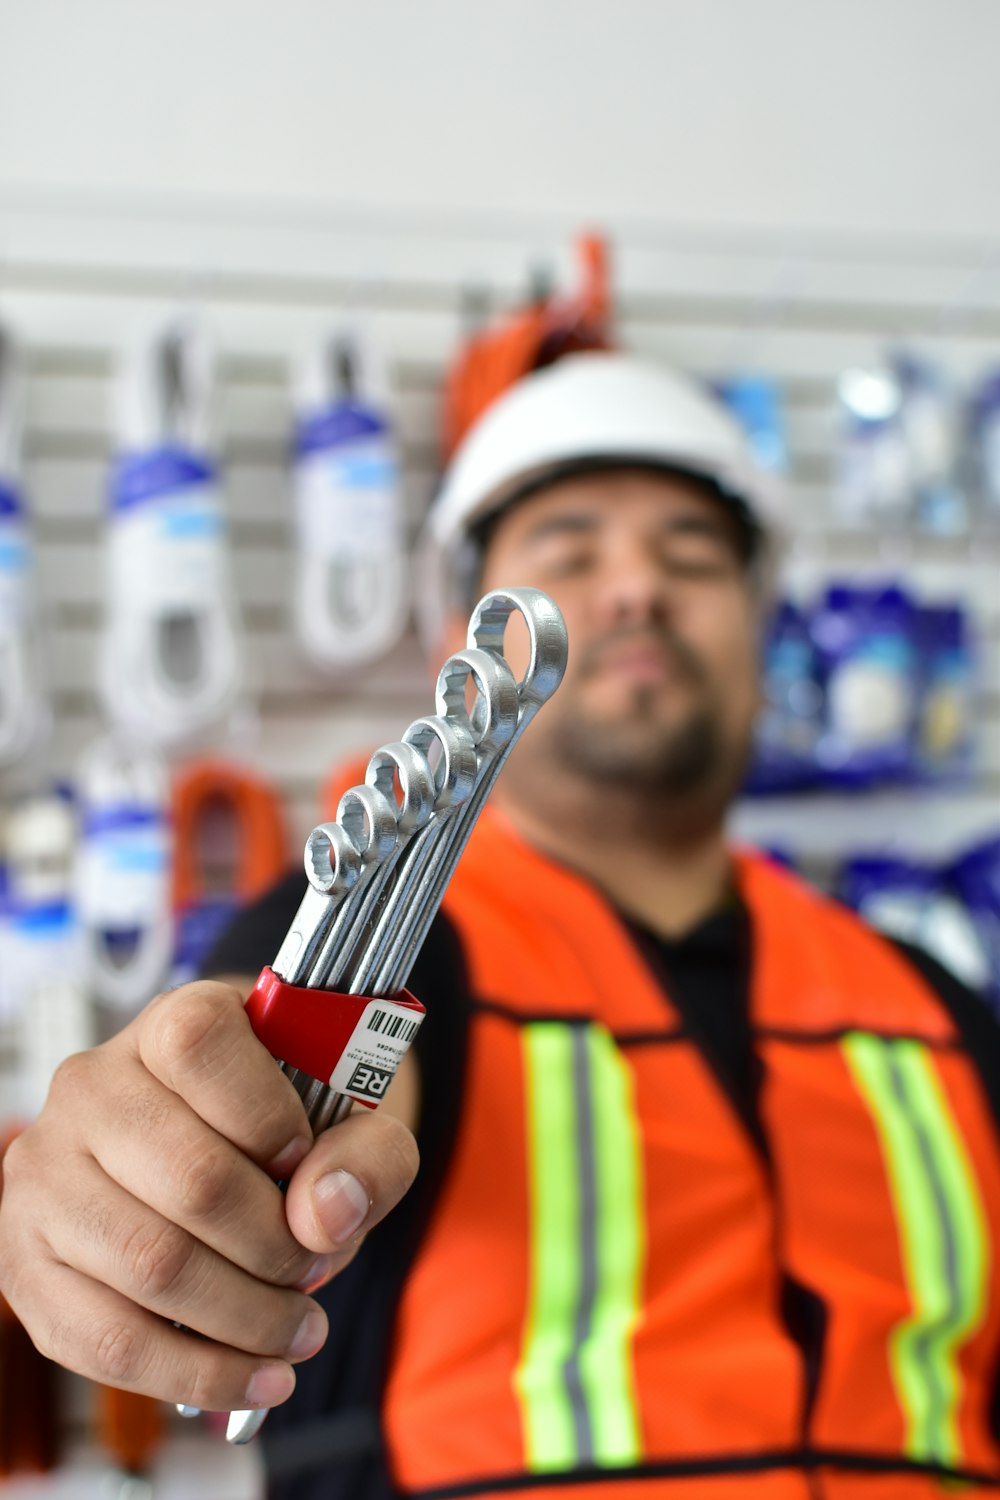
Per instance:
{"type": "Point", "coordinates": [337, 1049]}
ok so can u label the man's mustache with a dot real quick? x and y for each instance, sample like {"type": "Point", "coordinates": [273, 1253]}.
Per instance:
{"type": "Point", "coordinates": [679, 654]}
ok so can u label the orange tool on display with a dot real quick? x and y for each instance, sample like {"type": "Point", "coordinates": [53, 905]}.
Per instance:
{"type": "Point", "coordinates": [229, 848]}
{"type": "Point", "coordinates": [205, 788]}
{"type": "Point", "coordinates": [130, 1429]}
{"type": "Point", "coordinates": [536, 335]}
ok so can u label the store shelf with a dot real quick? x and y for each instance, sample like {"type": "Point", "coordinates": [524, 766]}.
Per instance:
{"type": "Point", "coordinates": [923, 822]}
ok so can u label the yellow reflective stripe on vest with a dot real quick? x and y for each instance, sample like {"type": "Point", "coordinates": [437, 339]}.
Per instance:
{"type": "Point", "coordinates": [574, 1380]}
{"type": "Point", "coordinates": [942, 1230]}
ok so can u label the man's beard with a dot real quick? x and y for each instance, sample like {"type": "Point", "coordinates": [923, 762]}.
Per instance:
{"type": "Point", "coordinates": [665, 759]}
{"type": "Point", "coordinates": [684, 757]}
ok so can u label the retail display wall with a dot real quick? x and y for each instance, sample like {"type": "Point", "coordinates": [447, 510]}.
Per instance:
{"type": "Point", "coordinates": [76, 284]}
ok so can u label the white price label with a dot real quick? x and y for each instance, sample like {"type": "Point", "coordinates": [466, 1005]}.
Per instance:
{"type": "Point", "coordinates": [377, 1046]}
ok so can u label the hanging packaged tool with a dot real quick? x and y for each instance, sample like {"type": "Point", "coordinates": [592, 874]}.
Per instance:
{"type": "Point", "coordinates": [123, 874]}
{"type": "Point", "coordinates": [755, 402]}
{"type": "Point", "coordinates": [981, 464]}
{"type": "Point", "coordinates": [43, 951]}
{"type": "Point", "coordinates": [551, 325]}
{"type": "Point", "coordinates": [333, 1007]}
{"type": "Point", "coordinates": [171, 659]}
{"type": "Point", "coordinates": [24, 715]}
{"type": "Point", "coordinates": [898, 454]}
{"type": "Point", "coordinates": [351, 590]}
{"type": "Point", "coordinates": [873, 484]}
{"type": "Point", "coordinates": [929, 418]}
{"type": "Point", "coordinates": [229, 847]}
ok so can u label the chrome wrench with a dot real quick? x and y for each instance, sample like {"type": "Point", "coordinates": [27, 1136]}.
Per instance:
{"type": "Point", "coordinates": [397, 859]}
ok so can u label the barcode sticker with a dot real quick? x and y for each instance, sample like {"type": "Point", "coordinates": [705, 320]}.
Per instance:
{"type": "Point", "coordinates": [377, 1046]}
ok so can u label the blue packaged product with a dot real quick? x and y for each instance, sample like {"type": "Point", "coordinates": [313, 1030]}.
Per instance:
{"type": "Point", "coordinates": [919, 905]}
{"type": "Point", "coordinates": [929, 419]}
{"type": "Point", "coordinates": [755, 402]}
{"type": "Point", "coordinates": [975, 877]}
{"type": "Point", "coordinates": [868, 665]}
{"type": "Point", "coordinates": [891, 893]}
{"type": "Point", "coordinates": [945, 713]}
{"type": "Point", "coordinates": [791, 716]}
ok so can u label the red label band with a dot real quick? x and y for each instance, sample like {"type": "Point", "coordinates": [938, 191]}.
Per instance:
{"type": "Point", "coordinates": [311, 1029]}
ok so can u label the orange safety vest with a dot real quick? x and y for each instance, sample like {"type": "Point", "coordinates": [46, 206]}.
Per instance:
{"type": "Point", "coordinates": [596, 1305]}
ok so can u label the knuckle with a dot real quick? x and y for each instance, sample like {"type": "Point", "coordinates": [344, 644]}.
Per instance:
{"type": "Point", "coordinates": [72, 1077]}
{"type": "Point", "coordinates": [189, 1029]}
{"type": "Point", "coordinates": [54, 1340]}
{"type": "Point", "coordinates": [204, 1182]}
{"type": "Point", "coordinates": [120, 1354]}
{"type": "Point", "coordinates": [157, 1259]}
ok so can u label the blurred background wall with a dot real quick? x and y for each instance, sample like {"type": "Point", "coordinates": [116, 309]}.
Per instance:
{"type": "Point", "coordinates": [784, 187]}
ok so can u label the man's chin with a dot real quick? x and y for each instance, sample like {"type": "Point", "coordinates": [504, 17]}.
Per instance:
{"type": "Point", "coordinates": [663, 758]}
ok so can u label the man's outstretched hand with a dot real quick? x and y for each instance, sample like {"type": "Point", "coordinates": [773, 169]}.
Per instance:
{"type": "Point", "coordinates": [145, 1195]}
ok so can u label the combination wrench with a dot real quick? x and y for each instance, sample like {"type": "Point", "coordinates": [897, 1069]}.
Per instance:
{"type": "Point", "coordinates": [333, 1008]}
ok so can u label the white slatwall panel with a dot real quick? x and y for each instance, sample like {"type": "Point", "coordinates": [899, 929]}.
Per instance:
{"type": "Point", "coordinates": [76, 283]}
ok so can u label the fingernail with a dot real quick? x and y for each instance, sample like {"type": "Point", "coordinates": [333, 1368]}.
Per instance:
{"type": "Point", "coordinates": [342, 1205]}
{"type": "Point", "coordinates": [270, 1385]}
{"type": "Point", "coordinates": [318, 1273]}
{"type": "Point", "coordinates": [311, 1335]}
{"type": "Point", "coordinates": [284, 1164]}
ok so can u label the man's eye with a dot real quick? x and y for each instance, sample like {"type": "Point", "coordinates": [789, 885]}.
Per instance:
{"type": "Point", "coordinates": [699, 559]}
{"type": "Point", "coordinates": [567, 562]}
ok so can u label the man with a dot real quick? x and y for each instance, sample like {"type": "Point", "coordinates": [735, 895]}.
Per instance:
{"type": "Point", "coordinates": [711, 1174]}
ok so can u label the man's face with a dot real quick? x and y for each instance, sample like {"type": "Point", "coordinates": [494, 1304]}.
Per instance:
{"type": "Point", "coordinates": [660, 690]}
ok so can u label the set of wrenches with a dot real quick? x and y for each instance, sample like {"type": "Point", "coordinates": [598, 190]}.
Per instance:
{"type": "Point", "coordinates": [378, 872]}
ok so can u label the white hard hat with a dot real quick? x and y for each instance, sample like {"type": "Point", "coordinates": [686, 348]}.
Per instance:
{"type": "Point", "coordinates": [587, 409]}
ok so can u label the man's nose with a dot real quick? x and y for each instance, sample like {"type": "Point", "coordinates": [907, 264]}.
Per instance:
{"type": "Point", "coordinates": [635, 585]}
